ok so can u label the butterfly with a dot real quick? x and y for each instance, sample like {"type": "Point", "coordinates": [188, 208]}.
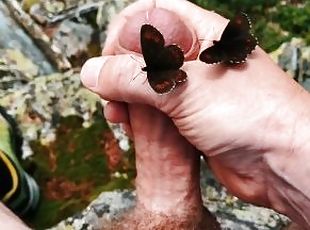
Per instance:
{"type": "Point", "coordinates": [235, 45]}
{"type": "Point", "coordinates": [163, 63]}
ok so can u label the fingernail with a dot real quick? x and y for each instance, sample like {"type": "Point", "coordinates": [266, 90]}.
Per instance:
{"type": "Point", "coordinates": [91, 70]}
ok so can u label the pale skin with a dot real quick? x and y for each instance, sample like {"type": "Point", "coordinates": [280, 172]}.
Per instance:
{"type": "Point", "coordinates": [9, 221]}
{"type": "Point", "coordinates": [251, 121]}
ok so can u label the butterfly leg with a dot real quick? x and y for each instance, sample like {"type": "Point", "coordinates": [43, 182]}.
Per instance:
{"type": "Point", "coordinates": [136, 77]}
{"type": "Point", "coordinates": [133, 58]}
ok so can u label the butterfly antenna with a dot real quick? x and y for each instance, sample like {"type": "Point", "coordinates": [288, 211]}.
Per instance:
{"type": "Point", "coordinates": [133, 58]}
{"type": "Point", "coordinates": [144, 81]}
{"type": "Point", "coordinates": [135, 76]}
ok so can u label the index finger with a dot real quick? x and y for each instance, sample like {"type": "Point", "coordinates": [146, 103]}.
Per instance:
{"type": "Point", "coordinates": [208, 25]}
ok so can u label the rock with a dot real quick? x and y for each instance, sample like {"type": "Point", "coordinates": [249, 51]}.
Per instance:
{"type": "Point", "coordinates": [53, 11]}
{"type": "Point", "coordinates": [36, 105]}
{"type": "Point", "coordinates": [16, 45]}
{"type": "Point", "coordinates": [294, 58]}
{"type": "Point", "coordinates": [15, 60]}
{"type": "Point", "coordinates": [107, 207]}
{"type": "Point", "coordinates": [76, 27]}
{"type": "Point", "coordinates": [73, 38]}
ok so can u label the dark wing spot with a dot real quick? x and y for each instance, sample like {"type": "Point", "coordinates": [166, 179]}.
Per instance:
{"type": "Point", "coordinates": [160, 83]}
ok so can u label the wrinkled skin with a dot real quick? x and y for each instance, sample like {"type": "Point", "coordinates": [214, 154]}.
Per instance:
{"type": "Point", "coordinates": [247, 120]}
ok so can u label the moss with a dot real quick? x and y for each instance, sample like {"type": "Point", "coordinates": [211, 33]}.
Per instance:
{"type": "Point", "coordinates": [74, 169]}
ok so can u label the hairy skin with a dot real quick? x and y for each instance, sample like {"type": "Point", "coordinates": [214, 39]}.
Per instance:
{"type": "Point", "coordinates": [250, 121]}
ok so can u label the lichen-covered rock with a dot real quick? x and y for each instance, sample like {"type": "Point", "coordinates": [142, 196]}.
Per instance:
{"type": "Point", "coordinates": [76, 28]}
{"type": "Point", "coordinates": [37, 105]}
{"type": "Point", "coordinates": [294, 58]}
{"type": "Point", "coordinates": [51, 11]}
{"type": "Point", "coordinates": [16, 45]}
{"type": "Point", "coordinates": [73, 38]}
{"type": "Point", "coordinates": [107, 207]}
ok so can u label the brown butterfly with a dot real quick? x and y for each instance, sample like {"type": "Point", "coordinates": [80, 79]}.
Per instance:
{"type": "Point", "coordinates": [163, 63]}
{"type": "Point", "coordinates": [235, 44]}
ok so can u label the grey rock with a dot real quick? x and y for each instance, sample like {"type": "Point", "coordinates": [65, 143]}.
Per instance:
{"type": "Point", "coordinates": [73, 38]}
{"type": "Point", "coordinates": [37, 105]}
{"type": "Point", "coordinates": [13, 37]}
{"type": "Point", "coordinates": [51, 11]}
{"type": "Point", "coordinates": [108, 206]}
{"type": "Point", "coordinates": [294, 58]}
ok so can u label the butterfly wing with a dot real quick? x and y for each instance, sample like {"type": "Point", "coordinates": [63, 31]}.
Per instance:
{"type": "Point", "coordinates": [239, 51]}
{"type": "Point", "coordinates": [160, 83]}
{"type": "Point", "coordinates": [151, 41]}
{"type": "Point", "coordinates": [156, 56]}
{"type": "Point", "coordinates": [237, 40]}
{"type": "Point", "coordinates": [162, 63]}
{"type": "Point", "coordinates": [169, 58]}
{"type": "Point", "coordinates": [235, 44]}
{"type": "Point", "coordinates": [237, 29]}
{"type": "Point", "coordinates": [180, 77]}
{"type": "Point", "coordinates": [163, 82]}
{"type": "Point", "coordinates": [251, 43]}
{"type": "Point", "coordinates": [213, 54]}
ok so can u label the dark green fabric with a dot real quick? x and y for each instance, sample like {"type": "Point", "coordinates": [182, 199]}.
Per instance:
{"type": "Point", "coordinates": [6, 182]}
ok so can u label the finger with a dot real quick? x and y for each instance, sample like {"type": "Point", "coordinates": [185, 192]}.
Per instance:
{"type": "Point", "coordinates": [116, 112]}
{"type": "Point", "coordinates": [237, 183]}
{"type": "Point", "coordinates": [118, 78]}
{"type": "Point", "coordinates": [208, 25]}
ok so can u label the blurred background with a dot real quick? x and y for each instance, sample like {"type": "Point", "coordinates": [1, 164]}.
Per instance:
{"type": "Point", "coordinates": [67, 146]}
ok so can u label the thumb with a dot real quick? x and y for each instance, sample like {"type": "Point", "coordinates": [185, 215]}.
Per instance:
{"type": "Point", "coordinates": [119, 78]}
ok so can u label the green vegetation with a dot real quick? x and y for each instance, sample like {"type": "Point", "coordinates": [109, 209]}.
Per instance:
{"type": "Point", "coordinates": [76, 168]}
{"type": "Point", "coordinates": [274, 21]}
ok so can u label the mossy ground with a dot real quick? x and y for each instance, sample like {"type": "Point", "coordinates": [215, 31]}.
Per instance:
{"type": "Point", "coordinates": [76, 168]}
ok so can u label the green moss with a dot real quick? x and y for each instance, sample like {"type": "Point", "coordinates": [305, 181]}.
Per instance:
{"type": "Point", "coordinates": [73, 170]}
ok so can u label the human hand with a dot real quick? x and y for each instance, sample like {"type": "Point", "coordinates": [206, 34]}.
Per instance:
{"type": "Point", "coordinates": [243, 117]}
{"type": "Point", "coordinates": [167, 164]}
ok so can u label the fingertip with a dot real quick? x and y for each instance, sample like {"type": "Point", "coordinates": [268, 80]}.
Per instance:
{"type": "Point", "coordinates": [121, 79]}
{"type": "Point", "coordinates": [116, 112]}
{"type": "Point", "coordinates": [90, 71]}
